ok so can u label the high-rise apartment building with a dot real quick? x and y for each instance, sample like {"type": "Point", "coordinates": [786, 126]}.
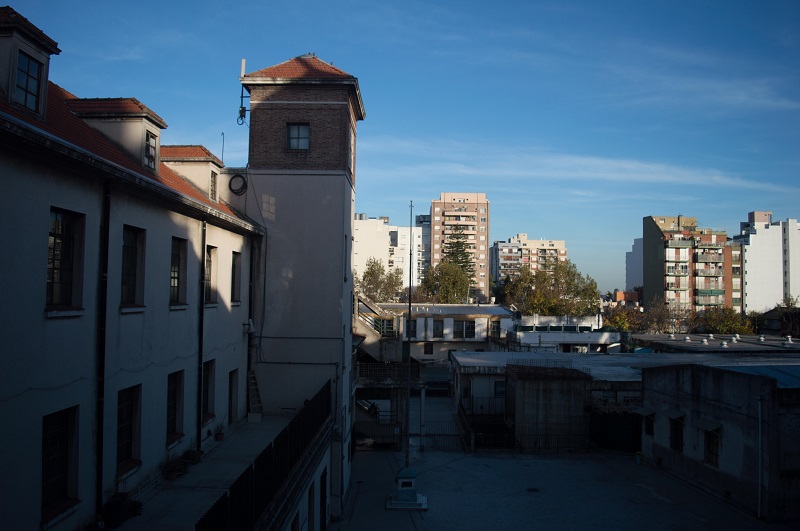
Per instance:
{"type": "Point", "coordinates": [470, 212]}
{"type": "Point", "coordinates": [770, 254]}
{"type": "Point", "coordinates": [686, 266]}
{"type": "Point", "coordinates": [517, 253]}
{"type": "Point", "coordinates": [377, 238]}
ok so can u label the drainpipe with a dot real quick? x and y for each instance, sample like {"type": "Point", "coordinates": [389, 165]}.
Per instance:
{"type": "Point", "coordinates": [200, 327]}
{"type": "Point", "coordinates": [760, 458]}
{"type": "Point", "coordinates": [100, 343]}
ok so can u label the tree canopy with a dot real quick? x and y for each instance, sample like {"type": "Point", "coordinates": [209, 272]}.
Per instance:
{"type": "Point", "coordinates": [560, 291]}
{"type": "Point", "coordinates": [378, 284]}
{"type": "Point", "coordinates": [456, 251]}
{"type": "Point", "coordinates": [446, 283]}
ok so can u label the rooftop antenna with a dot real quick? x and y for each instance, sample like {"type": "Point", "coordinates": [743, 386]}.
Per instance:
{"type": "Point", "coordinates": [242, 108]}
{"type": "Point", "coordinates": [223, 147]}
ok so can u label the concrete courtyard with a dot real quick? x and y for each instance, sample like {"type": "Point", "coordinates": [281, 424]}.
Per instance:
{"type": "Point", "coordinates": [566, 491]}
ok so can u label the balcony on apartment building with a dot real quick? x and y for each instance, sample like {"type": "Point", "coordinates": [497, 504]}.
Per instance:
{"type": "Point", "coordinates": [709, 272]}
{"type": "Point", "coordinates": [677, 285]}
{"type": "Point", "coordinates": [251, 478]}
{"type": "Point", "coordinates": [709, 300]}
{"type": "Point", "coordinates": [677, 271]}
{"type": "Point", "coordinates": [679, 243]}
{"type": "Point", "coordinates": [709, 257]}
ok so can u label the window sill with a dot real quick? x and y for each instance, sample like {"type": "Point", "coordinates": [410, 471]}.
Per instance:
{"type": "Point", "coordinates": [128, 468]}
{"type": "Point", "coordinates": [236, 303]}
{"type": "Point", "coordinates": [59, 512]}
{"type": "Point", "coordinates": [178, 307]}
{"type": "Point", "coordinates": [66, 313]}
{"type": "Point", "coordinates": [211, 305]}
{"type": "Point", "coordinates": [173, 439]}
{"type": "Point", "coordinates": [131, 309]}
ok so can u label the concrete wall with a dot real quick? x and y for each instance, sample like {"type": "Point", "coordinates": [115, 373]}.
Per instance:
{"type": "Point", "coordinates": [548, 412]}
{"type": "Point", "coordinates": [703, 397]}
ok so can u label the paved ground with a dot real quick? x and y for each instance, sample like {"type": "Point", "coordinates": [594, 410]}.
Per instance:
{"type": "Point", "coordinates": [597, 491]}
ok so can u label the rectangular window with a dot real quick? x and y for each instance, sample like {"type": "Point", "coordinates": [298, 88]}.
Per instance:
{"type": "Point", "coordinates": [411, 328]}
{"type": "Point", "coordinates": [463, 329]}
{"type": "Point", "coordinates": [676, 434]}
{"type": "Point", "coordinates": [711, 447]}
{"type": "Point", "coordinates": [129, 402]}
{"type": "Point", "coordinates": [210, 280]}
{"type": "Point", "coordinates": [174, 407]}
{"type": "Point", "coordinates": [495, 328]}
{"type": "Point", "coordinates": [428, 348]}
{"type": "Point", "coordinates": [29, 82]}
{"type": "Point", "coordinates": [150, 146]}
{"type": "Point", "coordinates": [299, 136]}
{"type": "Point", "coordinates": [207, 404]}
{"type": "Point", "coordinates": [59, 461]}
{"type": "Point", "coordinates": [132, 266]}
{"type": "Point", "coordinates": [236, 277]}
{"type": "Point", "coordinates": [438, 328]}
{"type": "Point", "coordinates": [64, 259]}
{"type": "Point", "coordinates": [212, 187]}
{"type": "Point", "coordinates": [177, 272]}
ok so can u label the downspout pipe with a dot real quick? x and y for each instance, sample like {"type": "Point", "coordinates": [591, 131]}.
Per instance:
{"type": "Point", "coordinates": [100, 343]}
{"type": "Point", "coordinates": [200, 329]}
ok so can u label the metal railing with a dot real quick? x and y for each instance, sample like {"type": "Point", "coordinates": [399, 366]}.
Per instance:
{"type": "Point", "coordinates": [265, 479]}
{"type": "Point", "coordinates": [385, 327]}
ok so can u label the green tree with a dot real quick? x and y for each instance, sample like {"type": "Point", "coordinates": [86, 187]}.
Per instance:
{"type": "Point", "coordinates": [446, 283]}
{"type": "Point", "coordinates": [560, 291]}
{"type": "Point", "coordinates": [724, 321]}
{"type": "Point", "coordinates": [456, 251]}
{"type": "Point", "coordinates": [378, 284]}
{"type": "Point", "coordinates": [624, 319]}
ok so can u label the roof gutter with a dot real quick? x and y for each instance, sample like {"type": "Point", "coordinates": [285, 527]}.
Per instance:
{"type": "Point", "coordinates": [27, 132]}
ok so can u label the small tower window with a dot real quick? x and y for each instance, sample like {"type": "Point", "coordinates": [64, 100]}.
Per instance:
{"type": "Point", "coordinates": [298, 136]}
{"type": "Point", "coordinates": [29, 81]}
{"type": "Point", "coordinates": [212, 192]}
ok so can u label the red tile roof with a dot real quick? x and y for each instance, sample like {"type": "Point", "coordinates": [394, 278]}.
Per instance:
{"type": "Point", "coordinates": [88, 107]}
{"type": "Point", "coordinates": [307, 66]}
{"type": "Point", "coordinates": [11, 20]}
{"type": "Point", "coordinates": [63, 124]}
{"type": "Point", "coordinates": [194, 152]}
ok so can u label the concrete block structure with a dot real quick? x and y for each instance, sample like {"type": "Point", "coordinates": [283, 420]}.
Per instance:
{"type": "Point", "coordinates": [518, 252]}
{"type": "Point", "coordinates": [731, 429]}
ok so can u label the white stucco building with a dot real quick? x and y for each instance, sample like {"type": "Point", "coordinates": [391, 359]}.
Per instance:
{"type": "Point", "coordinates": [124, 345]}
{"type": "Point", "coordinates": [770, 260]}
{"type": "Point", "coordinates": [376, 238]}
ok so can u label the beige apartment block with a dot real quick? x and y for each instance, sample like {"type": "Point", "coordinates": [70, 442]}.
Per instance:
{"type": "Point", "coordinates": [517, 253]}
{"type": "Point", "coordinates": [685, 265]}
{"type": "Point", "coordinates": [470, 211]}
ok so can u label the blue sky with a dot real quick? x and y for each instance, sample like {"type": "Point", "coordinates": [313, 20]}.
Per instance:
{"type": "Point", "coordinates": [576, 119]}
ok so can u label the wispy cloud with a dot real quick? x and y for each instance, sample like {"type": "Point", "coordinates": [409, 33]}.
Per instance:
{"type": "Point", "coordinates": [424, 159]}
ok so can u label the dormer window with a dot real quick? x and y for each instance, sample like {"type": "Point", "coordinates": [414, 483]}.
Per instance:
{"type": "Point", "coordinates": [150, 150]}
{"type": "Point", "coordinates": [29, 82]}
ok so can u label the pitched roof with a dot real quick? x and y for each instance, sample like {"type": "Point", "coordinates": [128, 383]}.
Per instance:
{"type": "Point", "coordinates": [307, 66]}
{"type": "Point", "coordinates": [11, 20]}
{"type": "Point", "coordinates": [188, 152]}
{"type": "Point", "coordinates": [68, 128]}
{"type": "Point", "coordinates": [103, 107]}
